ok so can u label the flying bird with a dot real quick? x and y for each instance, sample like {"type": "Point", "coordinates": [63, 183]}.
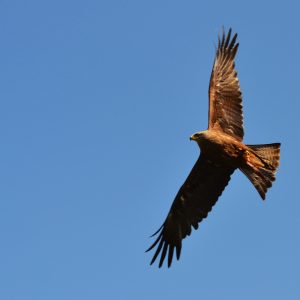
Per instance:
{"type": "Point", "coordinates": [222, 152]}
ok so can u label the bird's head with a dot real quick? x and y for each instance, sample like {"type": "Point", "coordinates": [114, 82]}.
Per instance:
{"type": "Point", "coordinates": [198, 136]}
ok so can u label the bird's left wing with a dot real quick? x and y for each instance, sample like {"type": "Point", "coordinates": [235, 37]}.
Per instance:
{"type": "Point", "coordinates": [192, 203]}
{"type": "Point", "coordinates": [225, 98]}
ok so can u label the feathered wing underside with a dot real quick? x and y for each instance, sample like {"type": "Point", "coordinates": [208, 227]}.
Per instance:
{"type": "Point", "coordinates": [192, 203]}
{"type": "Point", "coordinates": [225, 98]}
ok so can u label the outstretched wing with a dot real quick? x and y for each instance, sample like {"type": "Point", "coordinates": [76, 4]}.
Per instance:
{"type": "Point", "coordinates": [194, 200]}
{"type": "Point", "coordinates": [225, 98]}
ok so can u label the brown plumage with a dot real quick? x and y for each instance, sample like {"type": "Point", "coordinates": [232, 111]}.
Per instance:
{"type": "Point", "coordinates": [222, 152]}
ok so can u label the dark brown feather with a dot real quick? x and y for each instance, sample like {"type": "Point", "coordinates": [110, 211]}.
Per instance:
{"type": "Point", "coordinates": [194, 200]}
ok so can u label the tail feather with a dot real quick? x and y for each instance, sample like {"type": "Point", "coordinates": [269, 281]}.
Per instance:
{"type": "Point", "coordinates": [263, 175]}
{"type": "Point", "coordinates": [269, 153]}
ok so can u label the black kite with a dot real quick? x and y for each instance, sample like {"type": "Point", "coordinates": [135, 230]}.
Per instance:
{"type": "Point", "coordinates": [222, 152]}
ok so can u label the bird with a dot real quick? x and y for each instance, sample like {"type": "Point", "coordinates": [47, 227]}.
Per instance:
{"type": "Point", "coordinates": [222, 151]}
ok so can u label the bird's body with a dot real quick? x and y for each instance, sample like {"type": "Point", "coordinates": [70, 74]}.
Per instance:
{"type": "Point", "coordinates": [220, 148]}
{"type": "Point", "coordinates": [222, 152]}
{"type": "Point", "coordinates": [224, 149]}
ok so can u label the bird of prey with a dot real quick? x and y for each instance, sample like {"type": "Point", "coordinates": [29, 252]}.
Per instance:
{"type": "Point", "coordinates": [222, 152]}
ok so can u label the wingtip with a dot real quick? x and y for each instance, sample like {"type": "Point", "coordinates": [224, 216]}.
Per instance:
{"type": "Point", "coordinates": [178, 252]}
{"type": "Point", "coordinates": [163, 254]}
{"type": "Point", "coordinates": [157, 231]}
{"type": "Point", "coordinates": [158, 239]}
{"type": "Point", "coordinates": [226, 40]}
{"type": "Point", "coordinates": [223, 36]}
{"type": "Point", "coordinates": [170, 255]}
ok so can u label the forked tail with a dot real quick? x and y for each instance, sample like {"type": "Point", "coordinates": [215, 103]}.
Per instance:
{"type": "Point", "coordinates": [261, 165]}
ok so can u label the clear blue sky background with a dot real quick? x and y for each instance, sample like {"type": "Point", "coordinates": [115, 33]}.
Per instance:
{"type": "Point", "coordinates": [98, 100]}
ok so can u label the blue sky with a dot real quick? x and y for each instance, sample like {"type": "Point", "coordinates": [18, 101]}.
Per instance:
{"type": "Point", "coordinates": [98, 100]}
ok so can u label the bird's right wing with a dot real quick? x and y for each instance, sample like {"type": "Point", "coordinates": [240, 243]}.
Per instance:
{"type": "Point", "coordinates": [194, 200]}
